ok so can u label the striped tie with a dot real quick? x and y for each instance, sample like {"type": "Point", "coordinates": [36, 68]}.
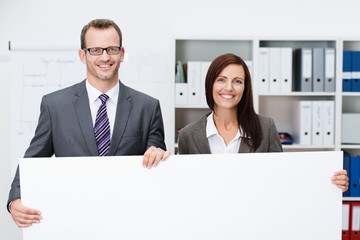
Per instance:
{"type": "Point", "coordinates": [102, 128]}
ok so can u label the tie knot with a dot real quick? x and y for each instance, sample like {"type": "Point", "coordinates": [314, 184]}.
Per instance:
{"type": "Point", "coordinates": [103, 98]}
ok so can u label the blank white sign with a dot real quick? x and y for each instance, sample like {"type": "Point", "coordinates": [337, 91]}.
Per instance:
{"type": "Point", "coordinates": [236, 196]}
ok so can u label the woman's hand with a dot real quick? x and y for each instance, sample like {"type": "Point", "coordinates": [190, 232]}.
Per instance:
{"type": "Point", "coordinates": [341, 180]}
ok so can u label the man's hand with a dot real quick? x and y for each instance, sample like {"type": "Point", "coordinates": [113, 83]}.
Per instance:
{"type": "Point", "coordinates": [341, 180]}
{"type": "Point", "coordinates": [153, 156]}
{"type": "Point", "coordinates": [24, 216]}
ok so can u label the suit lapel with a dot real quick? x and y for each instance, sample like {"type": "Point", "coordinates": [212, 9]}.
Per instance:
{"type": "Point", "coordinates": [245, 145]}
{"type": "Point", "coordinates": [199, 134]}
{"type": "Point", "coordinates": [82, 109]}
{"type": "Point", "coordinates": [123, 111]}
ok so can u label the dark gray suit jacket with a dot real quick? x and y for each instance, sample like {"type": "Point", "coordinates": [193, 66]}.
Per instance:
{"type": "Point", "coordinates": [192, 138]}
{"type": "Point", "coordinates": [65, 126]}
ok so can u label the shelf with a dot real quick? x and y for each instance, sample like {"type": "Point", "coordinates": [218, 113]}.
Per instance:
{"type": "Point", "coordinates": [305, 94]}
{"type": "Point", "coordinates": [350, 146]}
{"type": "Point", "coordinates": [351, 199]}
{"type": "Point", "coordinates": [351, 94]}
{"type": "Point", "coordinates": [312, 147]}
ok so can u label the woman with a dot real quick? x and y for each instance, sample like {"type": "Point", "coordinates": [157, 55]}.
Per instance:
{"type": "Point", "coordinates": [233, 126]}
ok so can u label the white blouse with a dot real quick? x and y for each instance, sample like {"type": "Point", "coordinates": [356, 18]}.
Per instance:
{"type": "Point", "coordinates": [216, 142]}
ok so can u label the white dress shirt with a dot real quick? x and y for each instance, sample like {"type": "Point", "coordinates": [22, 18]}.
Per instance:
{"type": "Point", "coordinates": [111, 103]}
{"type": "Point", "coordinates": [216, 142]}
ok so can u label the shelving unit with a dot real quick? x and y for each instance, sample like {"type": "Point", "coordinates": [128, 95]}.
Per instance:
{"type": "Point", "coordinates": [279, 106]}
{"type": "Point", "coordinates": [275, 105]}
{"type": "Point", "coordinates": [349, 101]}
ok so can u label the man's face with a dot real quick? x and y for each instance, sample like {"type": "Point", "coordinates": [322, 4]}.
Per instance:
{"type": "Point", "coordinates": [104, 67]}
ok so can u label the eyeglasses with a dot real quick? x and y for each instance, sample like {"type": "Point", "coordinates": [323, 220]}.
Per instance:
{"type": "Point", "coordinates": [97, 51]}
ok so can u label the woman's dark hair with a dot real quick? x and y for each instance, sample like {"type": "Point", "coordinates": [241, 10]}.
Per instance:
{"type": "Point", "coordinates": [246, 116]}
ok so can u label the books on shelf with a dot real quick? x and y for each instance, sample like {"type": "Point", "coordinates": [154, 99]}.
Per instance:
{"type": "Point", "coordinates": [275, 70]}
{"type": "Point", "coordinates": [329, 84]}
{"type": "Point", "coordinates": [346, 74]}
{"type": "Point", "coordinates": [314, 70]}
{"type": "Point", "coordinates": [354, 176]}
{"type": "Point", "coordinates": [314, 122]}
{"type": "Point", "coordinates": [286, 70]}
{"type": "Point", "coordinates": [204, 69]}
{"type": "Point", "coordinates": [318, 69]}
{"type": "Point", "coordinates": [351, 71]}
{"type": "Point", "coordinates": [303, 80]}
{"type": "Point", "coordinates": [194, 82]}
{"type": "Point", "coordinates": [350, 220]}
{"type": "Point", "coordinates": [346, 210]}
{"type": "Point", "coordinates": [346, 166]}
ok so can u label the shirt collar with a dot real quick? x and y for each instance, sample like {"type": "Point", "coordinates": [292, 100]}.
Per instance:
{"type": "Point", "coordinates": [210, 126]}
{"type": "Point", "coordinates": [94, 93]}
{"type": "Point", "coordinates": [212, 130]}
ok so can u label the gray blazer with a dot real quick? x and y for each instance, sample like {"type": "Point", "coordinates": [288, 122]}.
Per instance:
{"type": "Point", "coordinates": [192, 138]}
{"type": "Point", "coordinates": [65, 126]}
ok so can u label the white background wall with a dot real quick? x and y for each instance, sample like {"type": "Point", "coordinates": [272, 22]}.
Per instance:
{"type": "Point", "coordinates": [149, 28]}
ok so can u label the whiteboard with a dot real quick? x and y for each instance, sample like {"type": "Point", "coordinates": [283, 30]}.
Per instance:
{"type": "Point", "coordinates": [235, 196]}
{"type": "Point", "coordinates": [34, 74]}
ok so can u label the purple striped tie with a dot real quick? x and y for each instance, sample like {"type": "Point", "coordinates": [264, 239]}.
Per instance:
{"type": "Point", "coordinates": [102, 127]}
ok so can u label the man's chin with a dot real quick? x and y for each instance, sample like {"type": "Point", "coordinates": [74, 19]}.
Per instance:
{"type": "Point", "coordinates": [106, 78]}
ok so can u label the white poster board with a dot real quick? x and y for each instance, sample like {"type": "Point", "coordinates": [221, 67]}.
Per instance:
{"type": "Point", "coordinates": [236, 196]}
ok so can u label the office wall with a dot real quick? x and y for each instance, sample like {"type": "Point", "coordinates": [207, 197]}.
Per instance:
{"type": "Point", "coordinates": [148, 28]}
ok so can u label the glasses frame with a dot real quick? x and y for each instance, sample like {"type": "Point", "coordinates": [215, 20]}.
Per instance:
{"type": "Point", "coordinates": [102, 50]}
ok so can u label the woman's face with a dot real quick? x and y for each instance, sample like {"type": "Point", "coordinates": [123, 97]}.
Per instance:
{"type": "Point", "coordinates": [229, 87]}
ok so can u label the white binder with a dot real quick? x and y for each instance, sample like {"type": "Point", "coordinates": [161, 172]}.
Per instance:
{"type": "Point", "coordinates": [194, 82]}
{"type": "Point", "coordinates": [264, 54]}
{"type": "Point", "coordinates": [249, 66]}
{"type": "Point", "coordinates": [286, 70]}
{"type": "Point", "coordinates": [302, 122]}
{"type": "Point", "coordinates": [346, 217]}
{"type": "Point", "coordinates": [181, 92]}
{"type": "Point", "coordinates": [275, 69]}
{"type": "Point", "coordinates": [204, 69]}
{"type": "Point", "coordinates": [329, 119]}
{"type": "Point", "coordinates": [317, 123]}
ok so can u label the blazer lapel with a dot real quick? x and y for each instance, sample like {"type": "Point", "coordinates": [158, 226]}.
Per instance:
{"type": "Point", "coordinates": [199, 134]}
{"type": "Point", "coordinates": [82, 109]}
{"type": "Point", "coordinates": [245, 145]}
{"type": "Point", "coordinates": [123, 111]}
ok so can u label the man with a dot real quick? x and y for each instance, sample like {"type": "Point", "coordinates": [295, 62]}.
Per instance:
{"type": "Point", "coordinates": [99, 116]}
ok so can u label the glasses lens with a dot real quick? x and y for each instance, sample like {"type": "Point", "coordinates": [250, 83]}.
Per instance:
{"type": "Point", "coordinates": [95, 51]}
{"type": "Point", "coordinates": [113, 50]}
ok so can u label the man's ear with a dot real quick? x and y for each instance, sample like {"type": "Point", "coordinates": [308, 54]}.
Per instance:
{"type": "Point", "coordinates": [82, 56]}
{"type": "Point", "coordinates": [122, 52]}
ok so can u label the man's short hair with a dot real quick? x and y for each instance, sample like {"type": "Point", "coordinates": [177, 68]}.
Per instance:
{"type": "Point", "coordinates": [99, 24]}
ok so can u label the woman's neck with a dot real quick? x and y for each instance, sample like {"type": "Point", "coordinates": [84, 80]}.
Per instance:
{"type": "Point", "coordinates": [226, 118]}
{"type": "Point", "coordinates": [226, 124]}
